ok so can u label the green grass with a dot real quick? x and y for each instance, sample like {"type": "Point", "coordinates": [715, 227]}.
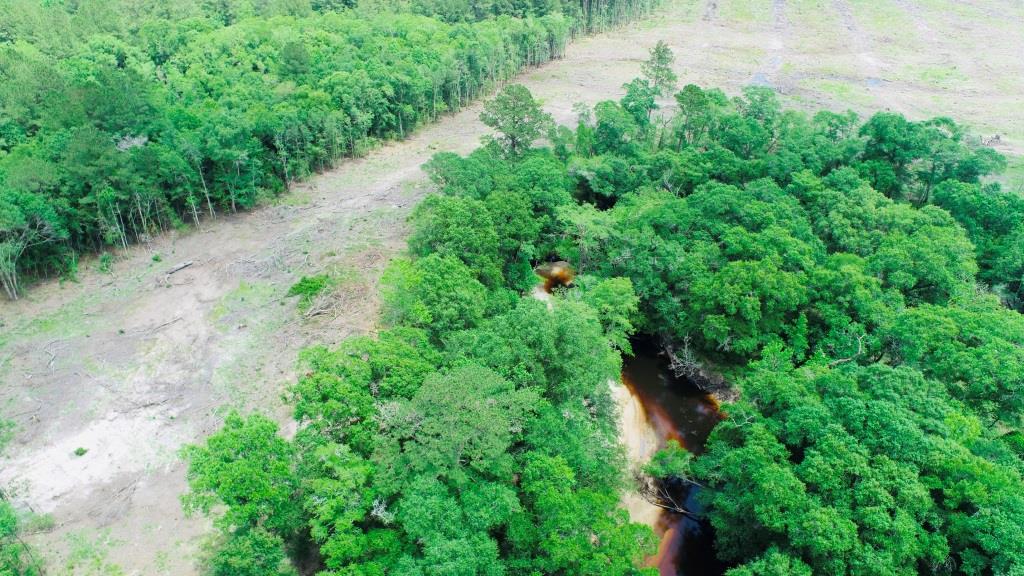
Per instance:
{"type": "Point", "coordinates": [884, 19]}
{"type": "Point", "coordinates": [946, 77]}
{"type": "Point", "coordinates": [66, 321]}
{"type": "Point", "coordinates": [87, 555]}
{"type": "Point", "coordinates": [249, 316]}
{"type": "Point", "coordinates": [842, 92]}
{"type": "Point", "coordinates": [816, 26]}
{"type": "Point", "coordinates": [296, 197]}
{"type": "Point", "coordinates": [676, 10]}
{"type": "Point", "coordinates": [746, 11]}
{"type": "Point", "coordinates": [247, 296]}
{"type": "Point", "coordinates": [937, 10]}
{"type": "Point", "coordinates": [308, 288]}
{"type": "Point", "coordinates": [1013, 178]}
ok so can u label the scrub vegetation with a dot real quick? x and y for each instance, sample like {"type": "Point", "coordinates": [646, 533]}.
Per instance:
{"type": "Point", "coordinates": [854, 278]}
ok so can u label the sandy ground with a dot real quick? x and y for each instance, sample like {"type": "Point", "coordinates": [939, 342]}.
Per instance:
{"type": "Point", "coordinates": [133, 364]}
{"type": "Point", "coordinates": [641, 441]}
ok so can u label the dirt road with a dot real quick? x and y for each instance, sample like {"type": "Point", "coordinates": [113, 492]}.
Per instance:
{"type": "Point", "coordinates": [131, 365]}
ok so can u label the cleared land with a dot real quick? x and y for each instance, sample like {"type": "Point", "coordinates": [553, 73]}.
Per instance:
{"type": "Point", "coordinates": [131, 365]}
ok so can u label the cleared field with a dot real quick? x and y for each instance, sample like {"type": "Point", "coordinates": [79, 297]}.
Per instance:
{"type": "Point", "coordinates": [131, 365]}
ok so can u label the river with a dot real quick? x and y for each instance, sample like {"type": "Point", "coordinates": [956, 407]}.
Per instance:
{"type": "Point", "coordinates": [656, 406]}
{"type": "Point", "coordinates": [662, 407]}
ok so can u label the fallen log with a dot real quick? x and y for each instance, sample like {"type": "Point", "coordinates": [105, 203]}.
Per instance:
{"type": "Point", "coordinates": [179, 267]}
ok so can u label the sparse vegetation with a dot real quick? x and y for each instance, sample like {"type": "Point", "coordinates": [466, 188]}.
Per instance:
{"type": "Point", "coordinates": [16, 557]}
{"type": "Point", "coordinates": [105, 263]}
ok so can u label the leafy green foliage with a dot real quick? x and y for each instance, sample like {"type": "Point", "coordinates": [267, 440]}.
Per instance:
{"type": "Point", "coordinates": [247, 467]}
{"type": "Point", "coordinates": [125, 120]}
{"type": "Point", "coordinates": [657, 70]}
{"type": "Point", "coordinates": [253, 552]}
{"type": "Point", "coordinates": [878, 454]}
{"type": "Point", "coordinates": [414, 447]}
{"type": "Point", "coordinates": [439, 294]}
{"type": "Point", "coordinates": [830, 266]}
{"type": "Point", "coordinates": [16, 558]}
{"type": "Point", "coordinates": [458, 228]}
{"type": "Point", "coordinates": [671, 462]}
{"type": "Point", "coordinates": [824, 254]}
{"type": "Point", "coordinates": [308, 288]}
{"type": "Point", "coordinates": [517, 117]}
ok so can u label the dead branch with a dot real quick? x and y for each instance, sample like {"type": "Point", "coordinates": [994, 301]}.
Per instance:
{"type": "Point", "coordinates": [53, 356]}
{"type": "Point", "coordinates": [860, 351]}
{"type": "Point", "coordinates": [165, 324]}
{"type": "Point", "coordinates": [655, 493]}
{"type": "Point", "coordinates": [683, 362]}
{"type": "Point", "coordinates": [179, 267]}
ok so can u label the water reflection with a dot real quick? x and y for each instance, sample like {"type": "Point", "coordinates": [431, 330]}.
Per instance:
{"type": "Point", "coordinates": [678, 410]}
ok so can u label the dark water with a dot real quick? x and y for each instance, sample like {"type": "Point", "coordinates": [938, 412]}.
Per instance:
{"type": "Point", "coordinates": [678, 410]}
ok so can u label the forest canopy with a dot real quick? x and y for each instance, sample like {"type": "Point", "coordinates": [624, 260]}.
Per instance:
{"type": "Point", "coordinates": [843, 274]}
{"type": "Point", "coordinates": [124, 119]}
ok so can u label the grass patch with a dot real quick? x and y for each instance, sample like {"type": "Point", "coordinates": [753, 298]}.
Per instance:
{"type": "Point", "coordinates": [816, 26]}
{"type": "Point", "coordinates": [6, 433]}
{"type": "Point", "coordinates": [248, 295]}
{"type": "Point", "coordinates": [938, 76]}
{"type": "Point", "coordinates": [838, 90]}
{"type": "Point", "coordinates": [87, 555]}
{"type": "Point", "coordinates": [746, 11]}
{"type": "Point", "coordinates": [1013, 177]}
{"type": "Point", "coordinates": [884, 19]}
{"type": "Point", "coordinates": [296, 197]}
{"type": "Point", "coordinates": [308, 288]}
{"type": "Point", "coordinates": [67, 321]}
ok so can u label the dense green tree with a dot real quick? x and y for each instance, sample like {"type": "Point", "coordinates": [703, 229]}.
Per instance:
{"type": "Point", "coordinates": [457, 427]}
{"type": "Point", "coordinates": [437, 293]}
{"type": "Point", "coordinates": [461, 228]}
{"type": "Point", "coordinates": [139, 116]}
{"type": "Point", "coordinates": [657, 69]}
{"type": "Point", "coordinates": [563, 352]}
{"type": "Point", "coordinates": [253, 552]}
{"type": "Point", "coordinates": [571, 529]}
{"type": "Point", "coordinates": [830, 268]}
{"type": "Point", "coordinates": [16, 558]}
{"type": "Point", "coordinates": [772, 563]}
{"type": "Point", "coordinates": [247, 467]}
{"type": "Point", "coordinates": [975, 348]}
{"type": "Point", "coordinates": [517, 117]}
{"type": "Point", "coordinates": [26, 222]}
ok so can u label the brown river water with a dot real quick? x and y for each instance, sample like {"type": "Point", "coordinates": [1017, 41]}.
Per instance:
{"type": "Point", "coordinates": [657, 406]}
{"type": "Point", "coordinates": [674, 409]}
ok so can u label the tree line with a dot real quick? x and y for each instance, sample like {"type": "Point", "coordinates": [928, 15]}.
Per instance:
{"type": "Point", "coordinates": [836, 270]}
{"type": "Point", "coordinates": [121, 120]}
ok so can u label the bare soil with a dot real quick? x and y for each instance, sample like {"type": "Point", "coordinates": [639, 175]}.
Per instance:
{"type": "Point", "coordinates": [133, 364]}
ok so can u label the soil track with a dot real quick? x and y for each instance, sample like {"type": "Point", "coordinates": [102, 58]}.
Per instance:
{"type": "Point", "coordinates": [133, 364]}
